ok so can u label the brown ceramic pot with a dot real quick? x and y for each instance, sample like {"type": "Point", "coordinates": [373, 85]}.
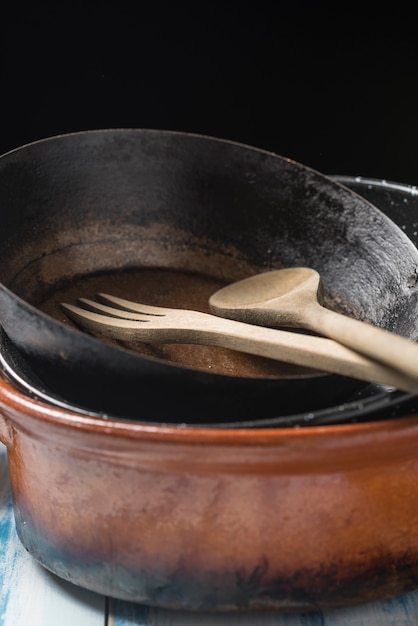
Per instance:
{"type": "Point", "coordinates": [214, 519]}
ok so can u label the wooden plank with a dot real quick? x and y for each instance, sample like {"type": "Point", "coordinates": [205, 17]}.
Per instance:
{"type": "Point", "coordinates": [28, 593]}
{"type": "Point", "coordinates": [127, 614]}
{"type": "Point", "coordinates": [402, 611]}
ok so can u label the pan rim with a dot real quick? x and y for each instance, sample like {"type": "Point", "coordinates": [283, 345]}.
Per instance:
{"type": "Point", "coordinates": [16, 405]}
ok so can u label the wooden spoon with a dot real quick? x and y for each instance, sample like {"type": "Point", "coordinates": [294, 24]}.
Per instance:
{"type": "Point", "coordinates": [290, 298]}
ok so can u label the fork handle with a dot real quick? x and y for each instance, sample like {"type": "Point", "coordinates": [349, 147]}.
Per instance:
{"type": "Point", "coordinates": [185, 326]}
{"type": "Point", "coordinates": [301, 349]}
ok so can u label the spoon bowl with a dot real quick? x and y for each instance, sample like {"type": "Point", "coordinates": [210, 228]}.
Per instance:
{"type": "Point", "coordinates": [271, 298]}
{"type": "Point", "coordinates": [292, 297]}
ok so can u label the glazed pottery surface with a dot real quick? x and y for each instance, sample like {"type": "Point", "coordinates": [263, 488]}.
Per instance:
{"type": "Point", "coordinates": [211, 519]}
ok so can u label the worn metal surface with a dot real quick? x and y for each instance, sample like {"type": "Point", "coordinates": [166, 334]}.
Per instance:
{"type": "Point", "coordinates": [80, 204]}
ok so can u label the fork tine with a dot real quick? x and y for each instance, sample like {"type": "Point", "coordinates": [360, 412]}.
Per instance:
{"type": "Point", "coordinates": [116, 327]}
{"type": "Point", "coordinates": [97, 307]}
{"type": "Point", "coordinates": [128, 305]}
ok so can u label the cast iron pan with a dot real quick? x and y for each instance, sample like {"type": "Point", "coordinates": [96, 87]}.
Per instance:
{"type": "Point", "coordinates": [90, 203]}
{"type": "Point", "coordinates": [399, 202]}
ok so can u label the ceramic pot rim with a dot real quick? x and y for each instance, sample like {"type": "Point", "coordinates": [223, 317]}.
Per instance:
{"type": "Point", "coordinates": [15, 403]}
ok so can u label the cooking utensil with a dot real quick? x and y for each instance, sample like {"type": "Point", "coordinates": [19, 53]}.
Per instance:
{"type": "Point", "coordinates": [212, 519]}
{"type": "Point", "coordinates": [95, 204]}
{"type": "Point", "coordinates": [291, 298]}
{"type": "Point", "coordinates": [126, 320]}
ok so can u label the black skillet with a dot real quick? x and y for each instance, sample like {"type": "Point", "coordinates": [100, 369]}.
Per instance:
{"type": "Point", "coordinates": [400, 203]}
{"type": "Point", "coordinates": [86, 203]}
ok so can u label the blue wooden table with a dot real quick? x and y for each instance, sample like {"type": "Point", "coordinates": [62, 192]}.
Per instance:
{"type": "Point", "coordinates": [32, 596]}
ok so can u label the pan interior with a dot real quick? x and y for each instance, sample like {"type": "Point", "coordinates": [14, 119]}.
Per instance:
{"type": "Point", "coordinates": [167, 288]}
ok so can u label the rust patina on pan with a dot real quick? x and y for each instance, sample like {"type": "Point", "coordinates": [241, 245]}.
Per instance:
{"type": "Point", "coordinates": [212, 519]}
{"type": "Point", "coordinates": [159, 212]}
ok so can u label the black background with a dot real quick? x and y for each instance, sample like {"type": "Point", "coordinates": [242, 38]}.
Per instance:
{"type": "Point", "coordinates": [332, 86]}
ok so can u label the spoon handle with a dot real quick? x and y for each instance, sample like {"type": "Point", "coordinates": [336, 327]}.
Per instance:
{"type": "Point", "coordinates": [306, 350]}
{"type": "Point", "coordinates": [377, 343]}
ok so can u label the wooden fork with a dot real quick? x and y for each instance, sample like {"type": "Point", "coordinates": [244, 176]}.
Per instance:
{"type": "Point", "coordinates": [122, 319]}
